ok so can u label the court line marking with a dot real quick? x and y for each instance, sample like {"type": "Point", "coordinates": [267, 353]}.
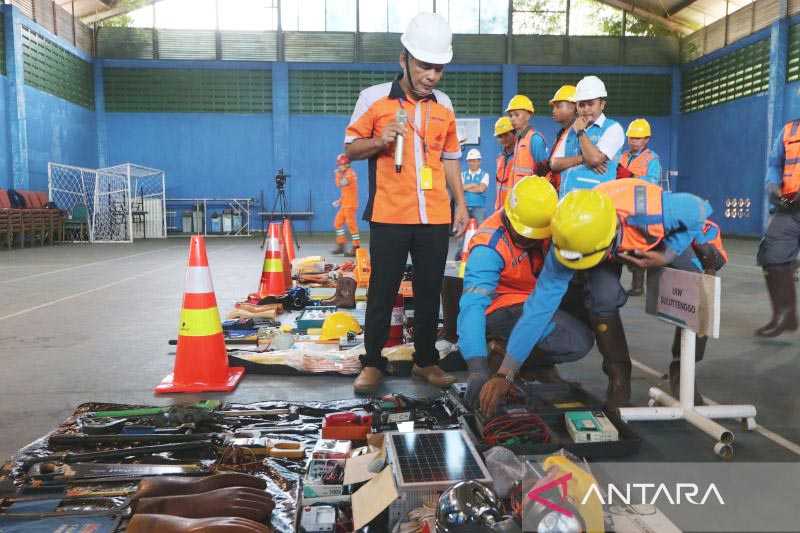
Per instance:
{"type": "Point", "coordinates": [777, 438]}
{"type": "Point", "coordinates": [66, 269]}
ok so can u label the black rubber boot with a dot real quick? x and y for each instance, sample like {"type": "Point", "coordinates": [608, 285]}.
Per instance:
{"type": "Point", "coordinates": [452, 287]}
{"type": "Point", "coordinates": [675, 365]}
{"type": "Point", "coordinates": [637, 283]}
{"type": "Point", "coordinates": [339, 250]}
{"type": "Point", "coordinates": [783, 295]}
{"type": "Point", "coordinates": [611, 342]}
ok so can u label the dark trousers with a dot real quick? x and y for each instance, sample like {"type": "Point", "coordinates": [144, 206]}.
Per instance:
{"type": "Point", "coordinates": [389, 246]}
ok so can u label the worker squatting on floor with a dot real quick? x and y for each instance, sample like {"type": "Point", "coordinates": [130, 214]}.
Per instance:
{"type": "Point", "coordinates": [777, 253]}
{"type": "Point", "coordinates": [347, 183]}
{"type": "Point", "coordinates": [409, 206]}
{"type": "Point", "coordinates": [592, 230]}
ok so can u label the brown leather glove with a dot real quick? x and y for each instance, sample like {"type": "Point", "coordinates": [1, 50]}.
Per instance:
{"type": "Point", "coordinates": [242, 502]}
{"type": "Point", "coordinates": [157, 523]}
{"type": "Point", "coordinates": [178, 485]}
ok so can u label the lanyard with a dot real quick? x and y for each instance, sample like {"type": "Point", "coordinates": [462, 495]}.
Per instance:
{"type": "Point", "coordinates": [422, 134]}
{"type": "Point", "coordinates": [633, 157]}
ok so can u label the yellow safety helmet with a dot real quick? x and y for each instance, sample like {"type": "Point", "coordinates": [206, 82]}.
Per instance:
{"type": "Point", "coordinates": [520, 101]}
{"type": "Point", "coordinates": [638, 129]}
{"type": "Point", "coordinates": [565, 93]}
{"type": "Point", "coordinates": [503, 125]}
{"type": "Point", "coordinates": [337, 325]}
{"type": "Point", "coordinates": [584, 227]}
{"type": "Point", "coordinates": [530, 206]}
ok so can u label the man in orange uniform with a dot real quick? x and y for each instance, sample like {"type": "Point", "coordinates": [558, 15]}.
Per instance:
{"type": "Point", "coordinates": [347, 182]}
{"type": "Point", "coordinates": [530, 148]}
{"type": "Point", "coordinates": [504, 132]}
{"type": "Point", "coordinates": [409, 205]}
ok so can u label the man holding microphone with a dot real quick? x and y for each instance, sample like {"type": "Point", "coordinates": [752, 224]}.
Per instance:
{"type": "Point", "coordinates": [407, 131]}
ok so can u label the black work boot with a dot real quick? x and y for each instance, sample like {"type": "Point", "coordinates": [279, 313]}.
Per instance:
{"type": "Point", "coordinates": [637, 282]}
{"type": "Point", "coordinates": [783, 295]}
{"type": "Point", "coordinates": [339, 250]}
{"type": "Point", "coordinates": [452, 287]}
{"type": "Point", "coordinates": [675, 365]}
{"type": "Point", "coordinates": [611, 342]}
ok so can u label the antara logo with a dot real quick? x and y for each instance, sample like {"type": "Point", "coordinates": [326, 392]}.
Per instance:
{"type": "Point", "coordinates": [649, 494]}
{"type": "Point", "coordinates": [682, 493]}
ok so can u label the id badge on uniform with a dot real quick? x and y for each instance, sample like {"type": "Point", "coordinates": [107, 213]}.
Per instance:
{"type": "Point", "coordinates": [426, 180]}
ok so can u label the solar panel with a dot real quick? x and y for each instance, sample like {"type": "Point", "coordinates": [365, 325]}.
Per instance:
{"type": "Point", "coordinates": [435, 457]}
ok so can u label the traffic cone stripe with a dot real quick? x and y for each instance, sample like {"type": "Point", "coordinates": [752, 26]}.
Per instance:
{"type": "Point", "coordinates": [273, 265]}
{"type": "Point", "coordinates": [198, 280]}
{"type": "Point", "coordinates": [197, 254]}
{"type": "Point", "coordinates": [199, 322]}
{"type": "Point", "coordinates": [273, 243]}
{"type": "Point", "coordinates": [199, 301]}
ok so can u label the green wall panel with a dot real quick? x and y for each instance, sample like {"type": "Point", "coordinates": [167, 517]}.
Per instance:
{"type": "Point", "coordinates": [53, 69]}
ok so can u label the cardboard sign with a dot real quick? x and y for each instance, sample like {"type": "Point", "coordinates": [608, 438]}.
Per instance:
{"type": "Point", "coordinates": [687, 299]}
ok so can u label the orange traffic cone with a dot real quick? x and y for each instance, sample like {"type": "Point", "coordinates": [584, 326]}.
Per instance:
{"type": "Point", "coordinates": [201, 362]}
{"type": "Point", "coordinates": [287, 265]}
{"type": "Point", "coordinates": [288, 239]}
{"type": "Point", "coordinates": [472, 228]}
{"type": "Point", "coordinates": [273, 279]}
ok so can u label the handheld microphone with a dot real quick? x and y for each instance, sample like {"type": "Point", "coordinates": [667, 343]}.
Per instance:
{"type": "Point", "coordinates": [402, 118]}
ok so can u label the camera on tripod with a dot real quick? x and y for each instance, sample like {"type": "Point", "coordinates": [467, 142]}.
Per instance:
{"type": "Point", "coordinates": [280, 179]}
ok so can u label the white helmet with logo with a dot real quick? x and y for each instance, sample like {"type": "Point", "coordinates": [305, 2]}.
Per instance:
{"type": "Point", "coordinates": [473, 154]}
{"type": "Point", "coordinates": [428, 38]}
{"type": "Point", "coordinates": [589, 88]}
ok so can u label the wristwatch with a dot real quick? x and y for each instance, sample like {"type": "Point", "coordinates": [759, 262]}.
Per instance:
{"type": "Point", "coordinates": [507, 377]}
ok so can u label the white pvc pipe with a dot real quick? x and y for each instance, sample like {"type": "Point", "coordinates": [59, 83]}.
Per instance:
{"type": "Point", "coordinates": [726, 411]}
{"type": "Point", "coordinates": [688, 341]}
{"type": "Point", "coordinates": [640, 414]}
{"type": "Point", "coordinates": [716, 431]}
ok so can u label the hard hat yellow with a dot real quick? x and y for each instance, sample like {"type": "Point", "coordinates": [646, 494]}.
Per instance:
{"type": "Point", "coordinates": [337, 325]}
{"type": "Point", "coordinates": [520, 101]}
{"type": "Point", "coordinates": [638, 129]}
{"type": "Point", "coordinates": [565, 93]}
{"type": "Point", "coordinates": [584, 226]}
{"type": "Point", "coordinates": [503, 125]}
{"type": "Point", "coordinates": [530, 206]}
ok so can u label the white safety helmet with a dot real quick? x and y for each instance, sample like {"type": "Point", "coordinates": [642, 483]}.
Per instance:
{"type": "Point", "coordinates": [589, 88]}
{"type": "Point", "coordinates": [428, 38]}
{"type": "Point", "coordinates": [473, 154]}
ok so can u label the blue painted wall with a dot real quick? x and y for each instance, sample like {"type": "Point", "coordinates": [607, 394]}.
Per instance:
{"type": "Point", "coordinates": [58, 131]}
{"type": "Point", "coordinates": [6, 177]}
{"type": "Point", "coordinates": [203, 154]}
{"type": "Point", "coordinates": [722, 152]}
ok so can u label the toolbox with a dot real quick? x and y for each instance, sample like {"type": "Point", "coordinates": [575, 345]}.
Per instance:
{"type": "Point", "coordinates": [552, 402]}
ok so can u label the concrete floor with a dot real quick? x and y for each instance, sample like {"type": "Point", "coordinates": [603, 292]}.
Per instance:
{"type": "Point", "coordinates": [90, 323]}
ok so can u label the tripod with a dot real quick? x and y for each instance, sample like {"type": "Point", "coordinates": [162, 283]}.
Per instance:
{"type": "Point", "coordinates": [282, 204]}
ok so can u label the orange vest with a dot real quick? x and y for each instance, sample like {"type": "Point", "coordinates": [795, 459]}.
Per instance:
{"type": "Point", "coordinates": [791, 164]}
{"type": "Point", "coordinates": [638, 205]}
{"type": "Point", "coordinates": [518, 278]}
{"type": "Point", "coordinates": [349, 192]}
{"type": "Point", "coordinates": [639, 164]}
{"type": "Point", "coordinates": [504, 181]}
{"type": "Point", "coordinates": [716, 242]}
{"type": "Point", "coordinates": [524, 165]}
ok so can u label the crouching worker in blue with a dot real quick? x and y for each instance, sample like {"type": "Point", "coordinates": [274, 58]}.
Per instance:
{"type": "Point", "coordinates": [505, 258]}
{"type": "Point", "coordinates": [623, 220]}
